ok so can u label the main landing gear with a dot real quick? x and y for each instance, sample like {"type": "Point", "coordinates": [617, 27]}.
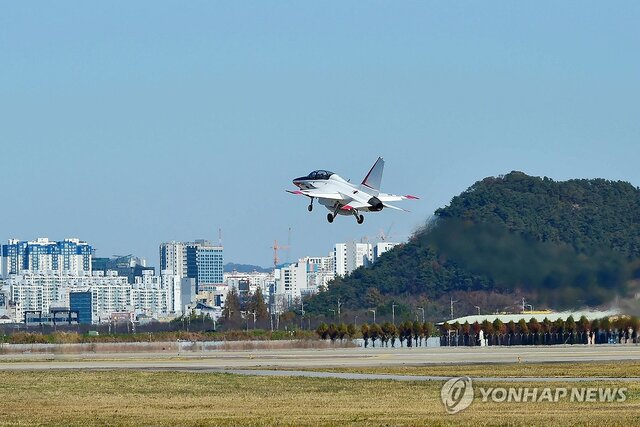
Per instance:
{"type": "Point", "coordinates": [332, 216]}
{"type": "Point", "coordinates": [359, 217]}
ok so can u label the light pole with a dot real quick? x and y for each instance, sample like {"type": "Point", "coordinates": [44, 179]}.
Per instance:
{"type": "Point", "coordinates": [339, 304]}
{"type": "Point", "coordinates": [525, 305]}
{"type": "Point", "coordinates": [334, 314]}
{"type": "Point", "coordinates": [355, 321]}
{"type": "Point", "coordinates": [246, 315]}
{"type": "Point", "coordinates": [422, 309]}
{"type": "Point", "coordinates": [374, 314]}
{"type": "Point", "coordinates": [478, 309]}
{"type": "Point", "coordinates": [393, 314]}
{"type": "Point", "coordinates": [452, 302]}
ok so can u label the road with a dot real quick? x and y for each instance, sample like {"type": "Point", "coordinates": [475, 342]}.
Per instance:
{"type": "Point", "coordinates": [310, 358]}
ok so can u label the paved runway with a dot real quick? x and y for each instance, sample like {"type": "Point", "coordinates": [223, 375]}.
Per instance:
{"type": "Point", "coordinates": [308, 358]}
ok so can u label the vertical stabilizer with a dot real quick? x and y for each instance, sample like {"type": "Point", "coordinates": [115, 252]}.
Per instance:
{"type": "Point", "coordinates": [374, 178]}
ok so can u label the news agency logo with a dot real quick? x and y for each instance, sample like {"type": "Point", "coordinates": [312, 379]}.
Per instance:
{"type": "Point", "coordinates": [457, 394]}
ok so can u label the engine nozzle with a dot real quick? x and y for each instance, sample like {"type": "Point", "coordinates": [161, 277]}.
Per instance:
{"type": "Point", "coordinates": [376, 204]}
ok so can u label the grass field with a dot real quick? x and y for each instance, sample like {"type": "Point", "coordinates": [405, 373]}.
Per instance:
{"type": "Point", "coordinates": [621, 369]}
{"type": "Point", "coordinates": [192, 399]}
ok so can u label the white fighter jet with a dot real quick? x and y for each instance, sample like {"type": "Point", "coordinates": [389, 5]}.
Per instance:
{"type": "Point", "coordinates": [343, 198]}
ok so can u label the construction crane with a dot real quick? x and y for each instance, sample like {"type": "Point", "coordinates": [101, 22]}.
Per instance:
{"type": "Point", "coordinates": [276, 247]}
{"type": "Point", "coordinates": [382, 236]}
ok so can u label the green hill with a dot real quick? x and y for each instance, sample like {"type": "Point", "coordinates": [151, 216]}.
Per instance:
{"type": "Point", "coordinates": [563, 244]}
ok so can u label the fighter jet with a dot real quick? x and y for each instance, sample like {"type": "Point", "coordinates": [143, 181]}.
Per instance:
{"type": "Point", "coordinates": [344, 198]}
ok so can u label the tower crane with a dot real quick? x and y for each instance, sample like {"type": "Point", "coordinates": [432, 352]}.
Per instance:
{"type": "Point", "coordinates": [276, 247]}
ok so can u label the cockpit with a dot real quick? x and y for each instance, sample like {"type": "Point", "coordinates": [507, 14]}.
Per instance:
{"type": "Point", "coordinates": [319, 174]}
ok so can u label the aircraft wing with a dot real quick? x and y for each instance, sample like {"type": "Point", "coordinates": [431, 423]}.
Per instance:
{"type": "Point", "coordinates": [394, 198]}
{"type": "Point", "coordinates": [317, 194]}
{"type": "Point", "coordinates": [360, 205]}
{"type": "Point", "coordinates": [360, 198]}
{"type": "Point", "coordinates": [386, 205]}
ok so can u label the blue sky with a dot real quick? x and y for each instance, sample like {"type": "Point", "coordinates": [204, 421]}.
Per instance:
{"type": "Point", "coordinates": [131, 123]}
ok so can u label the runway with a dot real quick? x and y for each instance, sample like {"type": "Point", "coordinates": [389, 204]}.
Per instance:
{"type": "Point", "coordinates": [321, 358]}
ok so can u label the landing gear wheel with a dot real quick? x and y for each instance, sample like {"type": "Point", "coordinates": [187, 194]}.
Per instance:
{"type": "Point", "coordinates": [330, 217]}
{"type": "Point", "coordinates": [310, 208]}
{"type": "Point", "coordinates": [360, 219]}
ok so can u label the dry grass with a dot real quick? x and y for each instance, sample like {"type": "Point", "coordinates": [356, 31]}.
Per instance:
{"type": "Point", "coordinates": [190, 399]}
{"type": "Point", "coordinates": [617, 369]}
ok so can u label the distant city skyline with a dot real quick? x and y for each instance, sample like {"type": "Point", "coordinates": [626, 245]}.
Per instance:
{"type": "Point", "coordinates": [131, 124]}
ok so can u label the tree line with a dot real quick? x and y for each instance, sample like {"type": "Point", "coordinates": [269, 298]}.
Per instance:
{"type": "Point", "coordinates": [560, 331]}
{"type": "Point", "coordinates": [532, 332]}
{"type": "Point", "coordinates": [413, 333]}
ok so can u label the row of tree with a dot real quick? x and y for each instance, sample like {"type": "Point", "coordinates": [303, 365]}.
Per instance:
{"type": "Point", "coordinates": [334, 332]}
{"type": "Point", "coordinates": [568, 325]}
{"type": "Point", "coordinates": [413, 333]}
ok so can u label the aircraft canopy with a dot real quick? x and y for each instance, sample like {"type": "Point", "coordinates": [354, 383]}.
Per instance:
{"type": "Point", "coordinates": [320, 174]}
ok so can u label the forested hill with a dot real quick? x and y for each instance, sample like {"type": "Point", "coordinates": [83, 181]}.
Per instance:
{"type": "Point", "coordinates": [585, 213]}
{"type": "Point", "coordinates": [564, 243]}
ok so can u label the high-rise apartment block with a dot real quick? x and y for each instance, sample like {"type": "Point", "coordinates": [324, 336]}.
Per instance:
{"type": "Point", "coordinates": [152, 296]}
{"type": "Point", "coordinates": [200, 260]}
{"type": "Point", "coordinates": [68, 255]}
{"type": "Point", "coordinates": [349, 256]}
{"type": "Point", "coordinates": [305, 277]}
{"type": "Point", "coordinates": [129, 266]}
{"type": "Point", "coordinates": [253, 281]}
{"type": "Point", "coordinates": [382, 247]}
{"type": "Point", "coordinates": [173, 256]}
